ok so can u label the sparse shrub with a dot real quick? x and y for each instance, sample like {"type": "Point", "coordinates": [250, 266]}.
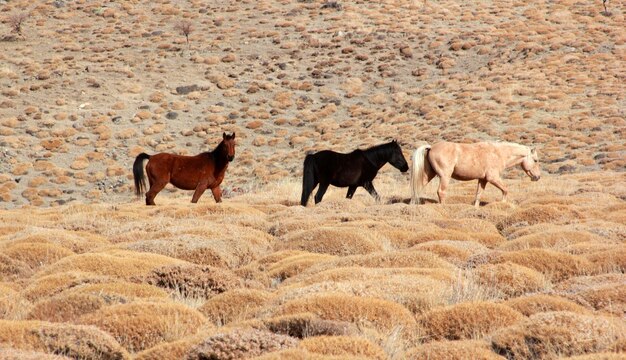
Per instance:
{"type": "Point", "coordinates": [185, 27]}
{"type": "Point", "coordinates": [16, 21]}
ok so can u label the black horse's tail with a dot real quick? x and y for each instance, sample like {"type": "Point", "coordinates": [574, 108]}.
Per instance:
{"type": "Point", "coordinates": [308, 179]}
{"type": "Point", "coordinates": [138, 174]}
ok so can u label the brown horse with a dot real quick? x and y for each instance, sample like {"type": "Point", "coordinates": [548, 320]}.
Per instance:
{"type": "Point", "coordinates": [483, 161]}
{"type": "Point", "coordinates": [197, 173]}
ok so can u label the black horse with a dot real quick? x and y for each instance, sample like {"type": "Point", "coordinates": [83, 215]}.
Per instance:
{"type": "Point", "coordinates": [355, 169]}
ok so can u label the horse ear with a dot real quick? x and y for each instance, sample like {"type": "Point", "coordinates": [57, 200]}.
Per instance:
{"type": "Point", "coordinates": [533, 151]}
{"type": "Point", "coordinates": [224, 135]}
{"type": "Point", "coordinates": [233, 136]}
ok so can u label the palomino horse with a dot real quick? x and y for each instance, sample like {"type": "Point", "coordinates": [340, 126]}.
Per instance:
{"type": "Point", "coordinates": [197, 173]}
{"type": "Point", "coordinates": [352, 170]}
{"type": "Point", "coordinates": [483, 161]}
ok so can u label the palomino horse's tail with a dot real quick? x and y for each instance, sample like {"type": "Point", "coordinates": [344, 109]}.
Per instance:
{"type": "Point", "coordinates": [418, 172]}
{"type": "Point", "coordinates": [138, 174]}
{"type": "Point", "coordinates": [308, 179]}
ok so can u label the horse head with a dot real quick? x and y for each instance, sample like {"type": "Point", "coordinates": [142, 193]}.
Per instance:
{"type": "Point", "coordinates": [229, 145]}
{"type": "Point", "coordinates": [397, 159]}
{"type": "Point", "coordinates": [530, 165]}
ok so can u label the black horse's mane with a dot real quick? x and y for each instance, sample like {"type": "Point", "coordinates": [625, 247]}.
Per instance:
{"type": "Point", "coordinates": [381, 152]}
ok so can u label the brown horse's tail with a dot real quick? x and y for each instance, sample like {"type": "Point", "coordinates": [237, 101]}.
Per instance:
{"type": "Point", "coordinates": [419, 176]}
{"type": "Point", "coordinates": [138, 174]}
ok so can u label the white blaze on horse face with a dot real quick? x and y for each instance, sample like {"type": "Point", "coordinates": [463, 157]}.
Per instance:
{"type": "Point", "coordinates": [531, 165]}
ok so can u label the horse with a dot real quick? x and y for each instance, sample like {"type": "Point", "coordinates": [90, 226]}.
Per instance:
{"type": "Point", "coordinates": [199, 172]}
{"type": "Point", "coordinates": [352, 170]}
{"type": "Point", "coordinates": [483, 161]}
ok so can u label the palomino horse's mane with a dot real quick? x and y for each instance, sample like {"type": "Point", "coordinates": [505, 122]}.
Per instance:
{"type": "Point", "coordinates": [524, 150]}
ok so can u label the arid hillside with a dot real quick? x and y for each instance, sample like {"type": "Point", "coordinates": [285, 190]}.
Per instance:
{"type": "Point", "coordinates": [539, 278]}
{"type": "Point", "coordinates": [87, 85]}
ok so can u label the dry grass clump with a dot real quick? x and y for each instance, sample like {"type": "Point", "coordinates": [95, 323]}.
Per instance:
{"type": "Point", "coordinates": [50, 285]}
{"type": "Point", "coordinates": [76, 241]}
{"type": "Point", "coordinates": [233, 247]}
{"type": "Point", "coordinates": [613, 260]}
{"type": "Point", "coordinates": [382, 314]}
{"type": "Point", "coordinates": [538, 303]}
{"type": "Point", "coordinates": [234, 305]}
{"type": "Point", "coordinates": [606, 297]}
{"type": "Point", "coordinates": [11, 269]}
{"type": "Point", "coordinates": [454, 251]}
{"type": "Point", "coordinates": [511, 279]}
{"type": "Point", "coordinates": [333, 240]}
{"type": "Point", "coordinates": [538, 214]}
{"type": "Point", "coordinates": [117, 263]}
{"type": "Point", "coordinates": [37, 254]}
{"type": "Point", "coordinates": [453, 350]}
{"type": "Point", "coordinates": [554, 239]}
{"type": "Point", "coordinates": [280, 265]}
{"type": "Point", "coordinates": [13, 354]}
{"type": "Point", "coordinates": [551, 334]}
{"type": "Point", "coordinates": [418, 289]}
{"type": "Point", "coordinates": [293, 265]}
{"type": "Point", "coordinates": [467, 320]}
{"type": "Point", "coordinates": [396, 259]}
{"type": "Point", "coordinates": [193, 280]}
{"type": "Point", "coordinates": [240, 344]}
{"type": "Point", "coordinates": [404, 238]}
{"type": "Point", "coordinates": [13, 305]}
{"type": "Point", "coordinates": [596, 356]}
{"type": "Point", "coordinates": [369, 274]}
{"type": "Point", "coordinates": [141, 325]}
{"type": "Point", "coordinates": [174, 350]}
{"type": "Point", "coordinates": [67, 308]}
{"type": "Point", "coordinates": [122, 289]}
{"type": "Point", "coordinates": [343, 346]}
{"type": "Point", "coordinates": [555, 265]}
{"type": "Point", "coordinates": [74, 341]}
{"type": "Point", "coordinates": [304, 325]}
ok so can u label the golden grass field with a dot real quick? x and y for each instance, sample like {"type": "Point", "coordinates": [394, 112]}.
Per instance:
{"type": "Point", "coordinates": [89, 272]}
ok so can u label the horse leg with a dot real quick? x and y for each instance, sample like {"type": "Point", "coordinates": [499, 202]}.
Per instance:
{"type": "Point", "coordinates": [370, 189]}
{"type": "Point", "coordinates": [217, 194]}
{"type": "Point", "coordinates": [497, 182]}
{"type": "Point", "coordinates": [155, 188]}
{"type": "Point", "coordinates": [199, 191]}
{"type": "Point", "coordinates": [351, 191]}
{"type": "Point", "coordinates": [443, 184]}
{"type": "Point", "coordinates": [481, 186]}
{"type": "Point", "coordinates": [320, 192]}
